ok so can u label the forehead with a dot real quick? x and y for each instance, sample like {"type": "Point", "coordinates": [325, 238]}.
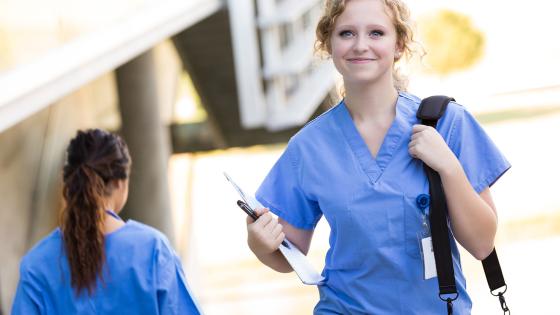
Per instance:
{"type": "Point", "coordinates": [362, 12]}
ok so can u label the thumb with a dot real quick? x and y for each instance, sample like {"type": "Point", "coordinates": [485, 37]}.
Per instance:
{"type": "Point", "coordinates": [261, 211]}
{"type": "Point", "coordinates": [258, 212]}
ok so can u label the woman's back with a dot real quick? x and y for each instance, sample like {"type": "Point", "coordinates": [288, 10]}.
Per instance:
{"type": "Point", "coordinates": [95, 263]}
{"type": "Point", "coordinates": [142, 275]}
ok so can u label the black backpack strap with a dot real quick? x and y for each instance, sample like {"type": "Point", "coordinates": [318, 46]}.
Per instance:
{"type": "Point", "coordinates": [495, 278]}
{"type": "Point", "coordinates": [430, 110]}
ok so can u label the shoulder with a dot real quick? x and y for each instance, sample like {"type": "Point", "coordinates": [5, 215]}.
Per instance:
{"type": "Point", "coordinates": [453, 113]}
{"type": "Point", "coordinates": [45, 250]}
{"type": "Point", "coordinates": [453, 108]}
{"type": "Point", "coordinates": [412, 99]}
{"type": "Point", "coordinates": [162, 252]}
{"type": "Point", "coordinates": [141, 231]}
{"type": "Point", "coordinates": [140, 234]}
{"type": "Point", "coordinates": [316, 129]}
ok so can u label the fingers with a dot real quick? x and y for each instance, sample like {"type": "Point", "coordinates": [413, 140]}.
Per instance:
{"type": "Point", "coordinates": [418, 128]}
{"type": "Point", "coordinates": [412, 152]}
{"type": "Point", "coordinates": [271, 226]}
{"type": "Point", "coordinates": [264, 220]}
{"type": "Point", "coordinates": [278, 240]}
{"type": "Point", "coordinates": [412, 146]}
{"type": "Point", "coordinates": [277, 229]}
{"type": "Point", "coordinates": [259, 212]}
{"type": "Point", "coordinates": [418, 140]}
{"type": "Point", "coordinates": [265, 235]}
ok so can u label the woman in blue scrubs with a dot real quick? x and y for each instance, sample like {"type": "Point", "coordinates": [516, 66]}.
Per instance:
{"type": "Point", "coordinates": [95, 263]}
{"type": "Point", "coordinates": [360, 166]}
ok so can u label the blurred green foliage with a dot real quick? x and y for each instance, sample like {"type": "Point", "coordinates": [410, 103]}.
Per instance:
{"type": "Point", "coordinates": [451, 41]}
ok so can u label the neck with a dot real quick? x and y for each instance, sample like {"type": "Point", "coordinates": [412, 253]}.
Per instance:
{"type": "Point", "coordinates": [111, 224]}
{"type": "Point", "coordinates": [371, 101]}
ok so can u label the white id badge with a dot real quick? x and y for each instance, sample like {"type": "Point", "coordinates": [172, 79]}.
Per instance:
{"type": "Point", "coordinates": [428, 258]}
{"type": "Point", "coordinates": [427, 250]}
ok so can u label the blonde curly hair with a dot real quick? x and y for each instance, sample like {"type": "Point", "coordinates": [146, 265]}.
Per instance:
{"type": "Point", "coordinates": [397, 10]}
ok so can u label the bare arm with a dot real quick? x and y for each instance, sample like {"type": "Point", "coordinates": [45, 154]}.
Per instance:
{"type": "Point", "coordinates": [265, 235]}
{"type": "Point", "coordinates": [473, 216]}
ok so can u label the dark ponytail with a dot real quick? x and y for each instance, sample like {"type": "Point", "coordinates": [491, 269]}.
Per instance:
{"type": "Point", "coordinates": [94, 159]}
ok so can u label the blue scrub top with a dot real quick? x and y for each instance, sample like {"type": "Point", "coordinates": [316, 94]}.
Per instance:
{"type": "Point", "coordinates": [142, 275]}
{"type": "Point", "coordinates": [373, 265]}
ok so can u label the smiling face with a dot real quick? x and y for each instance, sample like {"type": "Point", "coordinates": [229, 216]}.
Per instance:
{"type": "Point", "coordinates": [363, 43]}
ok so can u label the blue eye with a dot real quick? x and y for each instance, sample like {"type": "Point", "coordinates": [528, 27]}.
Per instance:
{"type": "Point", "coordinates": [345, 34]}
{"type": "Point", "coordinates": [376, 33]}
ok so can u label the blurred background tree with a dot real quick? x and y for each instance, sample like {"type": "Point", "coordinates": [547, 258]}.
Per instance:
{"type": "Point", "coordinates": [451, 41]}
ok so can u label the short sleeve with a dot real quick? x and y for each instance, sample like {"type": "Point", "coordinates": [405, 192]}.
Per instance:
{"type": "Point", "coordinates": [482, 162]}
{"type": "Point", "coordinates": [282, 192]}
{"type": "Point", "coordinates": [173, 293]}
{"type": "Point", "coordinates": [28, 299]}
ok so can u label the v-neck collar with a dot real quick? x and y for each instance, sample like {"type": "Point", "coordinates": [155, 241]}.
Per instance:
{"type": "Point", "coordinates": [374, 166]}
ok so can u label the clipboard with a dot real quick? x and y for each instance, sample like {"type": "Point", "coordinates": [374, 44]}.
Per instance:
{"type": "Point", "coordinates": [297, 260]}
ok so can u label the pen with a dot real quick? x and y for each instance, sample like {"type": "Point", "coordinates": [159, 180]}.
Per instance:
{"type": "Point", "coordinates": [245, 207]}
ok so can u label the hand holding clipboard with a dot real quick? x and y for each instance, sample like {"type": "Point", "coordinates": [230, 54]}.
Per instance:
{"type": "Point", "coordinates": [297, 260]}
{"type": "Point", "coordinates": [245, 207]}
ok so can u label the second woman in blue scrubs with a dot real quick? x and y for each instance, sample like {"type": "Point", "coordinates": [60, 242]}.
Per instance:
{"type": "Point", "coordinates": [96, 263]}
{"type": "Point", "coordinates": [360, 166]}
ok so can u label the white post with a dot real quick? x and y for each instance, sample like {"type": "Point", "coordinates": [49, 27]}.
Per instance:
{"type": "Point", "coordinates": [246, 59]}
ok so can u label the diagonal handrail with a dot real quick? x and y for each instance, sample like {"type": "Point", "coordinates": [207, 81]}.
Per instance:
{"type": "Point", "coordinates": [34, 86]}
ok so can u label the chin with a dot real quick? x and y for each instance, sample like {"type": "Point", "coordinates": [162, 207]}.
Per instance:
{"type": "Point", "coordinates": [365, 79]}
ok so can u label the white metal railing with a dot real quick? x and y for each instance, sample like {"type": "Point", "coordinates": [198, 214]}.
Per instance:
{"type": "Point", "coordinates": [295, 82]}
{"type": "Point", "coordinates": [29, 88]}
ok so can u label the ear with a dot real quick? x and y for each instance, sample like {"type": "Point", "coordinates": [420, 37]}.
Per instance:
{"type": "Point", "coordinates": [329, 48]}
{"type": "Point", "coordinates": [398, 51]}
{"type": "Point", "coordinates": [117, 183]}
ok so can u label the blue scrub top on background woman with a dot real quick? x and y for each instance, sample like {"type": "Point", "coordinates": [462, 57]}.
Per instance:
{"type": "Point", "coordinates": [142, 275]}
{"type": "Point", "coordinates": [374, 263]}
{"type": "Point", "coordinates": [94, 262]}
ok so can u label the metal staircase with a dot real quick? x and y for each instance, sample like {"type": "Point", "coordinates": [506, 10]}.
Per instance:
{"type": "Point", "coordinates": [255, 71]}
{"type": "Point", "coordinates": [251, 62]}
{"type": "Point", "coordinates": [293, 82]}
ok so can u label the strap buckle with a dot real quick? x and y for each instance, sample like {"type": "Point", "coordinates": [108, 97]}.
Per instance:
{"type": "Point", "coordinates": [502, 299]}
{"type": "Point", "coordinates": [449, 298]}
{"type": "Point", "coordinates": [442, 296]}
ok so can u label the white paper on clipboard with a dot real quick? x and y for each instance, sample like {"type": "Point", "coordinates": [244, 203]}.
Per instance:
{"type": "Point", "coordinates": [305, 271]}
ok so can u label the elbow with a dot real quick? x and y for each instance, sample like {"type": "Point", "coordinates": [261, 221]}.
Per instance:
{"type": "Point", "coordinates": [285, 270]}
{"type": "Point", "coordinates": [484, 246]}
{"type": "Point", "coordinates": [482, 252]}
{"type": "Point", "coordinates": [282, 268]}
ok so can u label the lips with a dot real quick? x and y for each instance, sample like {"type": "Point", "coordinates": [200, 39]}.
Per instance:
{"type": "Point", "coordinates": [360, 60]}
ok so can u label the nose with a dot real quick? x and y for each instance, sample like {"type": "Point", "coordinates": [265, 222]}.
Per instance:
{"type": "Point", "coordinates": [360, 44]}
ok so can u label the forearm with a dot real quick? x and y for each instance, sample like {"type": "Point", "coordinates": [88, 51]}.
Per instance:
{"type": "Point", "coordinates": [274, 260]}
{"type": "Point", "coordinates": [473, 220]}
